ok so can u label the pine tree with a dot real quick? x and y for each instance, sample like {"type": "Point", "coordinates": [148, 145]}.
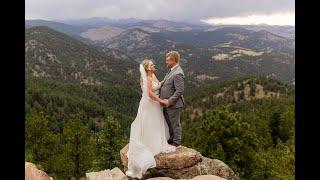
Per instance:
{"type": "Point", "coordinates": [38, 138]}
{"type": "Point", "coordinates": [286, 124]}
{"type": "Point", "coordinates": [274, 126]}
{"type": "Point", "coordinates": [79, 146]}
{"type": "Point", "coordinates": [109, 143]}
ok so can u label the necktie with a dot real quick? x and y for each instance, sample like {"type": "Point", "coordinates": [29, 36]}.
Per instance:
{"type": "Point", "coordinates": [165, 77]}
{"type": "Point", "coordinates": [168, 72]}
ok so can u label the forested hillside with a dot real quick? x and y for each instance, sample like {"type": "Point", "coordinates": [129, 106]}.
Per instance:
{"type": "Point", "coordinates": [252, 132]}
{"type": "Point", "coordinates": [54, 55]}
{"type": "Point", "coordinates": [248, 123]}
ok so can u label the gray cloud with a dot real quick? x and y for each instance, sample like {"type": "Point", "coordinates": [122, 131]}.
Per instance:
{"type": "Point", "coordinates": [190, 10]}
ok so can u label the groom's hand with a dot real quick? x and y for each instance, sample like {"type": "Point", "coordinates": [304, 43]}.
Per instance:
{"type": "Point", "coordinates": [166, 102]}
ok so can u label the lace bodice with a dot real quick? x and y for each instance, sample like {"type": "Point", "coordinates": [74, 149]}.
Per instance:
{"type": "Point", "coordinates": [156, 86]}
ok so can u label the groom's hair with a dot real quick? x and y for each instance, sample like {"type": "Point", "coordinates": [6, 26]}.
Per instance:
{"type": "Point", "coordinates": [175, 55]}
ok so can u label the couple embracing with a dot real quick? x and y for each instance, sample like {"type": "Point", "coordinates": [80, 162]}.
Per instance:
{"type": "Point", "coordinates": [156, 128]}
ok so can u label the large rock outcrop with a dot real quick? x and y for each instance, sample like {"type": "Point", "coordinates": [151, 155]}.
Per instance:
{"type": "Point", "coordinates": [33, 173]}
{"type": "Point", "coordinates": [184, 163]}
{"type": "Point", "coordinates": [119, 175]}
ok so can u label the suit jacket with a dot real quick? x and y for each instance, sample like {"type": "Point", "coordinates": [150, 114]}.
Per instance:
{"type": "Point", "coordinates": [173, 87]}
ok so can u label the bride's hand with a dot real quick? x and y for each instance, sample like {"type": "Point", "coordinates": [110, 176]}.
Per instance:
{"type": "Point", "coordinates": [162, 101]}
{"type": "Point", "coordinates": [165, 102]}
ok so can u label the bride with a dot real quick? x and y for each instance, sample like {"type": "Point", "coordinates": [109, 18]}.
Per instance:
{"type": "Point", "coordinates": [149, 131]}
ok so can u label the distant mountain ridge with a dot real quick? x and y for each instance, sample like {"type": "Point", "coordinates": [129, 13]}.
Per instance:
{"type": "Point", "coordinates": [228, 57]}
{"type": "Point", "coordinates": [285, 31]}
{"type": "Point", "coordinates": [260, 40]}
{"type": "Point", "coordinates": [156, 25]}
{"type": "Point", "coordinates": [58, 26]}
{"type": "Point", "coordinates": [55, 55]}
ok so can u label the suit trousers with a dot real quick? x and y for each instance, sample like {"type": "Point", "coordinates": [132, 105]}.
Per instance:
{"type": "Point", "coordinates": [172, 116]}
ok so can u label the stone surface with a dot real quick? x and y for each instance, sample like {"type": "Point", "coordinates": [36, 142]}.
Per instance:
{"type": "Point", "coordinates": [160, 178]}
{"type": "Point", "coordinates": [216, 167]}
{"type": "Point", "coordinates": [207, 177]}
{"type": "Point", "coordinates": [33, 173]}
{"type": "Point", "coordinates": [183, 157]}
{"type": "Point", "coordinates": [200, 177]}
{"type": "Point", "coordinates": [184, 163]}
{"type": "Point", "coordinates": [114, 174]}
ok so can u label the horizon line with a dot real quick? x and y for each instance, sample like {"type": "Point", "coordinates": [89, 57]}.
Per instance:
{"type": "Point", "coordinates": [201, 21]}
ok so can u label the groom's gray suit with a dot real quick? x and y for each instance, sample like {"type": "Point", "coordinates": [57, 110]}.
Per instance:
{"type": "Point", "coordinates": [172, 89]}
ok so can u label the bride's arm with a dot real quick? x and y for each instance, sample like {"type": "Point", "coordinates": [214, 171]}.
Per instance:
{"type": "Point", "coordinates": [151, 94]}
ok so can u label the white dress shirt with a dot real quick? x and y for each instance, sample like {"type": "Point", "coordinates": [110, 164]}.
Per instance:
{"type": "Point", "coordinates": [174, 66]}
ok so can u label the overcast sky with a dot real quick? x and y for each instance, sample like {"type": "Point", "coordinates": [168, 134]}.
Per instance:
{"type": "Point", "coordinates": [210, 11]}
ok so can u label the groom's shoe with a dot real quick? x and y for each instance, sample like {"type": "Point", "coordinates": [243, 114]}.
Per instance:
{"type": "Point", "coordinates": [170, 141]}
{"type": "Point", "coordinates": [175, 144]}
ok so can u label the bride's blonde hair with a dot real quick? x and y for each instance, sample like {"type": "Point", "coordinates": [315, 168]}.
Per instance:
{"type": "Point", "coordinates": [146, 63]}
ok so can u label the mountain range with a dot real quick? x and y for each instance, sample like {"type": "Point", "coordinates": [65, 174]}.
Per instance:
{"type": "Point", "coordinates": [83, 25]}
{"type": "Point", "coordinates": [208, 53]}
{"type": "Point", "coordinates": [212, 56]}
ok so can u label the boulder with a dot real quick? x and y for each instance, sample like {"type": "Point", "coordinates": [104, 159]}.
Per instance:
{"type": "Point", "coordinates": [184, 163]}
{"type": "Point", "coordinates": [160, 178]}
{"type": "Point", "coordinates": [114, 174]}
{"type": "Point", "coordinates": [208, 177]}
{"type": "Point", "coordinates": [33, 173]}
{"type": "Point", "coordinates": [183, 157]}
{"type": "Point", "coordinates": [200, 177]}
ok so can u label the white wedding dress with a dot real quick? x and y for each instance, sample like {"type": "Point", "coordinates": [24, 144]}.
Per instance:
{"type": "Point", "coordinates": [149, 132]}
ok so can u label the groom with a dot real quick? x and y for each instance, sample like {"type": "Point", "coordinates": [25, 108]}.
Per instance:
{"type": "Point", "coordinates": [172, 92]}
